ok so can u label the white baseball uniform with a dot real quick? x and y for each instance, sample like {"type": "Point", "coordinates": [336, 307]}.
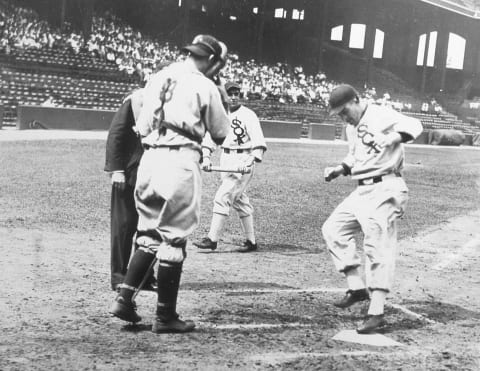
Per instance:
{"type": "Point", "coordinates": [244, 139]}
{"type": "Point", "coordinates": [180, 106]}
{"type": "Point", "coordinates": [377, 202]}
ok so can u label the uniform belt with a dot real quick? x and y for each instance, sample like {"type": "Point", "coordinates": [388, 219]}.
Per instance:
{"type": "Point", "coordinates": [170, 148]}
{"type": "Point", "coordinates": [377, 179]}
{"type": "Point", "coordinates": [153, 146]}
{"type": "Point", "coordinates": [228, 150]}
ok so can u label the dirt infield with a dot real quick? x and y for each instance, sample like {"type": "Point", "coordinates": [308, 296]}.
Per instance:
{"type": "Point", "coordinates": [266, 310]}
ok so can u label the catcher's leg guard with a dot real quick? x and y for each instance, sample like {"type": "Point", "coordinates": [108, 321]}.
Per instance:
{"type": "Point", "coordinates": [168, 281]}
{"type": "Point", "coordinates": [167, 320]}
{"type": "Point", "coordinates": [139, 267]}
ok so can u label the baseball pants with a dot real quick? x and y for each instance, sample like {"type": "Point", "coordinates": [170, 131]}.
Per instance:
{"type": "Point", "coordinates": [231, 192]}
{"type": "Point", "coordinates": [168, 191]}
{"type": "Point", "coordinates": [374, 210]}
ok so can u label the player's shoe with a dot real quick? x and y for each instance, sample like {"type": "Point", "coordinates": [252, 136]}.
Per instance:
{"type": "Point", "coordinates": [124, 310]}
{"type": "Point", "coordinates": [206, 243]}
{"type": "Point", "coordinates": [352, 297]}
{"type": "Point", "coordinates": [371, 324]}
{"type": "Point", "coordinates": [248, 246]}
{"type": "Point", "coordinates": [175, 325]}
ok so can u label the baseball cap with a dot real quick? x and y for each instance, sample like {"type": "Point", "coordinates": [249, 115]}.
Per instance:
{"type": "Point", "coordinates": [339, 97]}
{"type": "Point", "coordinates": [204, 46]}
{"type": "Point", "coordinates": [231, 85]}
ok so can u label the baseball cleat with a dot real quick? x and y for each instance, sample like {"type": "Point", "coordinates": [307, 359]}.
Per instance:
{"type": "Point", "coordinates": [352, 297]}
{"type": "Point", "coordinates": [206, 243]}
{"type": "Point", "coordinates": [174, 325]}
{"type": "Point", "coordinates": [248, 246]}
{"type": "Point", "coordinates": [371, 324]}
{"type": "Point", "coordinates": [126, 311]}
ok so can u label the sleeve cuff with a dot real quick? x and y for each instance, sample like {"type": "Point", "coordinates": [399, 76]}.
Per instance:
{"type": "Point", "coordinates": [405, 137]}
{"type": "Point", "coordinates": [347, 170]}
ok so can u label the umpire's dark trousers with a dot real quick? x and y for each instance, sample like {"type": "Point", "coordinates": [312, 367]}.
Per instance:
{"type": "Point", "coordinates": [123, 224]}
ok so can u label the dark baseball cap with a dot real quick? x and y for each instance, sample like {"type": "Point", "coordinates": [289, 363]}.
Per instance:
{"type": "Point", "coordinates": [231, 85]}
{"type": "Point", "coordinates": [339, 97]}
{"type": "Point", "coordinates": [204, 46]}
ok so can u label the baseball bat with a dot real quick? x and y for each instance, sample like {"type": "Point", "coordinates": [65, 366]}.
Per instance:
{"type": "Point", "coordinates": [242, 170]}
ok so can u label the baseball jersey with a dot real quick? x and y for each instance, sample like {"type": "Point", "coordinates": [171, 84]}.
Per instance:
{"type": "Point", "coordinates": [367, 160]}
{"type": "Point", "coordinates": [187, 102]}
{"type": "Point", "coordinates": [245, 133]}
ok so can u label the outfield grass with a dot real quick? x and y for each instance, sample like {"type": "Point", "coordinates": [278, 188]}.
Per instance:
{"type": "Point", "coordinates": [61, 186]}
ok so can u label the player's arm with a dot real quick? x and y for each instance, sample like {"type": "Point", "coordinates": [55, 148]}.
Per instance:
{"type": "Point", "coordinates": [345, 168]}
{"type": "Point", "coordinates": [259, 146]}
{"type": "Point", "coordinates": [215, 116]}
{"type": "Point", "coordinates": [208, 147]}
{"type": "Point", "coordinates": [403, 129]}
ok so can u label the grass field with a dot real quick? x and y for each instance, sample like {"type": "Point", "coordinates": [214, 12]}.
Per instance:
{"type": "Point", "coordinates": [60, 185]}
{"type": "Point", "coordinates": [267, 310]}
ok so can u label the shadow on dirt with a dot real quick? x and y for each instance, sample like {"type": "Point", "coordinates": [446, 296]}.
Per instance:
{"type": "Point", "coordinates": [134, 328]}
{"type": "Point", "coordinates": [441, 312]}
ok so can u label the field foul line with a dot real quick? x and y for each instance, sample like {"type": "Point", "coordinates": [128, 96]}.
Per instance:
{"type": "Point", "coordinates": [467, 249]}
{"type": "Point", "coordinates": [266, 291]}
{"type": "Point", "coordinates": [411, 313]}
{"type": "Point", "coordinates": [251, 326]}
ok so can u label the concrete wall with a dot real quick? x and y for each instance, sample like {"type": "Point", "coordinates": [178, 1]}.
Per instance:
{"type": "Point", "coordinates": [36, 117]}
{"type": "Point", "coordinates": [281, 129]}
{"type": "Point", "coordinates": [321, 131]}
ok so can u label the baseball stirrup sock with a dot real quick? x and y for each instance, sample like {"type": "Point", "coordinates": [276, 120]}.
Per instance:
{"type": "Point", "coordinates": [247, 224]}
{"type": "Point", "coordinates": [168, 280]}
{"type": "Point", "coordinates": [137, 270]}
{"type": "Point", "coordinates": [377, 302]}
{"type": "Point", "coordinates": [216, 227]}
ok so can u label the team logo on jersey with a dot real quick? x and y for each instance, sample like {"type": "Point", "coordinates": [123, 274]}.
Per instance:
{"type": "Point", "coordinates": [238, 130]}
{"type": "Point", "coordinates": [367, 139]}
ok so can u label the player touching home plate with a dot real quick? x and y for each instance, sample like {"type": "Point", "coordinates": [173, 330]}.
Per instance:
{"type": "Point", "coordinates": [375, 160]}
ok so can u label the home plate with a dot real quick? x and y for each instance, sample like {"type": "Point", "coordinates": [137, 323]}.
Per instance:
{"type": "Point", "coordinates": [368, 339]}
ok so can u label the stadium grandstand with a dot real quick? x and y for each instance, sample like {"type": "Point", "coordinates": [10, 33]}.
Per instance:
{"type": "Point", "coordinates": [422, 59]}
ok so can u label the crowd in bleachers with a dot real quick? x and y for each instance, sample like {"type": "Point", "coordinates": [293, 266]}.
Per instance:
{"type": "Point", "coordinates": [115, 46]}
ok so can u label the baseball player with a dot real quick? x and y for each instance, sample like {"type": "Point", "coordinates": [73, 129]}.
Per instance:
{"type": "Point", "coordinates": [243, 146]}
{"type": "Point", "coordinates": [180, 105]}
{"type": "Point", "coordinates": [123, 153]}
{"type": "Point", "coordinates": [375, 160]}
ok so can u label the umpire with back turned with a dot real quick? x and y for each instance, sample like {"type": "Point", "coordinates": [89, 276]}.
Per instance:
{"type": "Point", "coordinates": [123, 154]}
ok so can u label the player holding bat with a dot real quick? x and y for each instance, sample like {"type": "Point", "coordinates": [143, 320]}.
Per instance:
{"type": "Point", "coordinates": [243, 146]}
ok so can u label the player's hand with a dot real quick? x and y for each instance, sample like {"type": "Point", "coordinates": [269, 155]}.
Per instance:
{"type": "Point", "coordinates": [332, 172]}
{"type": "Point", "coordinates": [387, 140]}
{"type": "Point", "coordinates": [206, 164]}
{"type": "Point", "coordinates": [118, 180]}
{"type": "Point", "coordinates": [248, 163]}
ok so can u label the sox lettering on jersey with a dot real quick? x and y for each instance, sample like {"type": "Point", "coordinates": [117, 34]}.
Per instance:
{"type": "Point", "coordinates": [238, 130]}
{"type": "Point", "coordinates": [367, 138]}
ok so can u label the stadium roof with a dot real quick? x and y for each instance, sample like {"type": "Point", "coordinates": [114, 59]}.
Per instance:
{"type": "Point", "coordinates": [469, 8]}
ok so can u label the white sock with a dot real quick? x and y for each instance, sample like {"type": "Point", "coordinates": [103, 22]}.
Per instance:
{"type": "Point", "coordinates": [216, 227]}
{"type": "Point", "coordinates": [377, 302]}
{"type": "Point", "coordinates": [247, 224]}
{"type": "Point", "coordinates": [354, 280]}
